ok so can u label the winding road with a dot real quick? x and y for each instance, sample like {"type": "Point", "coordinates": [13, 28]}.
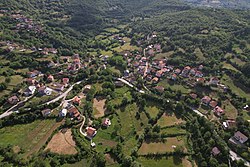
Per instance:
{"type": "Point", "coordinates": [83, 122]}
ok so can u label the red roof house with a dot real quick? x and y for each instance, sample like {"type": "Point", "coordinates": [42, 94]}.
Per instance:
{"type": "Point", "coordinates": [218, 111]}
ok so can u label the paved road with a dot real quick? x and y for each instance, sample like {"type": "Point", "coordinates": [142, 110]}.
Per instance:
{"type": "Point", "coordinates": [234, 157]}
{"type": "Point", "coordinates": [15, 107]}
{"type": "Point", "coordinates": [130, 85]}
{"type": "Point", "coordinates": [64, 94]}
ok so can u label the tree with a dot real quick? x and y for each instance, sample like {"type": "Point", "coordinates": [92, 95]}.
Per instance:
{"type": "Point", "coordinates": [7, 80]}
{"type": "Point", "coordinates": [127, 161]}
{"type": "Point", "coordinates": [99, 160]}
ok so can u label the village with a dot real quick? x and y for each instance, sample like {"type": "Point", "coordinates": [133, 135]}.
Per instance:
{"type": "Point", "coordinates": [145, 72]}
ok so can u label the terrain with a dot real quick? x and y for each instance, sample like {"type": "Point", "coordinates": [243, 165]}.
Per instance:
{"type": "Point", "coordinates": [124, 83]}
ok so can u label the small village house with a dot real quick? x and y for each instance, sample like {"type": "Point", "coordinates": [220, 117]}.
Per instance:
{"type": "Point", "coordinates": [86, 88]}
{"type": "Point", "coordinates": [63, 113]}
{"type": "Point", "coordinates": [76, 100]}
{"type": "Point", "coordinates": [30, 91]}
{"type": "Point", "coordinates": [65, 81]}
{"type": "Point", "coordinates": [46, 112]}
{"type": "Point", "coordinates": [44, 91]}
{"type": "Point", "coordinates": [218, 111]}
{"type": "Point", "coordinates": [106, 122]}
{"type": "Point", "coordinates": [91, 132]}
{"type": "Point", "coordinates": [213, 104]}
{"type": "Point", "coordinates": [13, 100]}
{"type": "Point", "coordinates": [214, 81]}
{"type": "Point", "coordinates": [215, 151]}
{"type": "Point", "coordinates": [205, 100]}
{"type": "Point", "coordinates": [50, 78]}
{"type": "Point", "coordinates": [238, 138]}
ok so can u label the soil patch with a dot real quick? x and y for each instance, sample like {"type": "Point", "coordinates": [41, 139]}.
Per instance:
{"type": "Point", "coordinates": [99, 106]}
{"type": "Point", "coordinates": [62, 143]}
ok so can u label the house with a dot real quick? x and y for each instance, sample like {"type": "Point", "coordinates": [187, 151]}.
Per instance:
{"type": "Point", "coordinates": [33, 73]}
{"type": "Point", "coordinates": [65, 81]}
{"type": "Point", "coordinates": [159, 73]}
{"type": "Point", "coordinates": [218, 111]}
{"type": "Point", "coordinates": [193, 71]}
{"type": "Point", "coordinates": [200, 80]}
{"type": "Point", "coordinates": [200, 67]}
{"type": "Point", "coordinates": [63, 113]}
{"type": "Point", "coordinates": [13, 100]}
{"type": "Point", "coordinates": [106, 122]}
{"type": "Point", "coordinates": [198, 74]}
{"type": "Point", "coordinates": [50, 78]}
{"type": "Point", "coordinates": [159, 89]}
{"type": "Point", "coordinates": [228, 124]}
{"type": "Point", "coordinates": [30, 81]}
{"type": "Point", "coordinates": [185, 71]}
{"type": "Point", "coordinates": [74, 113]}
{"type": "Point", "coordinates": [205, 100]}
{"type": "Point", "coordinates": [45, 91]}
{"type": "Point", "coordinates": [91, 132]}
{"type": "Point", "coordinates": [213, 103]}
{"type": "Point", "coordinates": [59, 87]}
{"type": "Point", "coordinates": [215, 151]}
{"type": "Point", "coordinates": [155, 80]}
{"type": "Point", "coordinates": [46, 112]}
{"type": "Point", "coordinates": [214, 81]}
{"type": "Point", "coordinates": [119, 84]}
{"type": "Point", "coordinates": [30, 91]}
{"type": "Point", "coordinates": [193, 95]}
{"type": "Point", "coordinates": [238, 138]}
{"type": "Point", "coordinates": [174, 77]}
{"type": "Point", "coordinates": [76, 100]}
{"type": "Point", "coordinates": [177, 71]}
{"type": "Point", "coordinates": [86, 88]}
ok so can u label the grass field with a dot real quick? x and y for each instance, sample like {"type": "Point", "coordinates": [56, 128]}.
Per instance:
{"type": "Point", "coordinates": [230, 111]}
{"type": "Point", "coordinates": [26, 136]}
{"type": "Point", "coordinates": [112, 30]}
{"type": "Point", "coordinates": [168, 120]}
{"type": "Point", "coordinates": [152, 109]}
{"type": "Point", "coordinates": [164, 162]}
{"type": "Point", "coordinates": [199, 54]}
{"type": "Point", "coordinates": [125, 47]}
{"type": "Point", "coordinates": [172, 130]}
{"type": "Point", "coordinates": [238, 61]}
{"type": "Point", "coordinates": [236, 89]}
{"type": "Point", "coordinates": [164, 55]}
{"type": "Point", "coordinates": [169, 84]}
{"type": "Point", "coordinates": [120, 94]}
{"type": "Point", "coordinates": [229, 67]}
{"type": "Point", "coordinates": [161, 147]}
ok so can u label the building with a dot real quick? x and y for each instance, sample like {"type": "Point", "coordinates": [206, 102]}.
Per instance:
{"type": "Point", "coordinates": [238, 138]}
{"type": "Point", "coordinates": [30, 81]}
{"type": "Point", "coordinates": [215, 151]}
{"type": "Point", "coordinates": [45, 91]}
{"type": "Point", "coordinates": [159, 89]}
{"type": "Point", "coordinates": [218, 111]}
{"type": "Point", "coordinates": [63, 113]}
{"type": "Point", "coordinates": [30, 91]}
{"type": "Point", "coordinates": [50, 78]}
{"type": "Point", "coordinates": [228, 124]}
{"type": "Point", "coordinates": [86, 88]}
{"type": "Point", "coordinates": [205, 100]}
{"type": "Point", "coordinates": [106, 122]}
{"type": "Point", "coordinates": [74, 113]}
{"type": "Point", "coordinates": [76, 100]}
{"type": "Point", "coordinates": [193, 95]}
{"type": "Point", "coordinates": [91, 132]}
{"type": "Point", "coordinates": [65, 81]}
{"type": "Point", "coordinates": [213, 103]}
{"type": "Point", "coordinates": [214, 81]}
{"type": "Point", "coordinates": [46, 112]}
{"type": "Point", "coordinates": [59, 87]}
{"type": "Point", "coordinates": [13, 100]}
{"type": "Point", "coordinates": [119, 84]}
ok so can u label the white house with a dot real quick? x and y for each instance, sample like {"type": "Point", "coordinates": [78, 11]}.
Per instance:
{"type": "Point", "coordinates": [30, 90]}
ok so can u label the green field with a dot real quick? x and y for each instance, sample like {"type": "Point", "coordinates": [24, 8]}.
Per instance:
{"type": "Point", "coordinates": [164, 162]}
{"type": "Point", "coordinates": [169, 120]}
{"type": "Point", "coordinates": [236, 89]}
{"type": "Point", "coordinates": [25, 136]}
{"type": "Point", "coordinates": [176, 87]}
{"type": "Point", "coordinates": [152, 108]}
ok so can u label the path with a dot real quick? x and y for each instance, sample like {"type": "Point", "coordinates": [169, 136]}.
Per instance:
{"type": "Point", "coordinates": [236, 157]}
{"type": "Point", "coordinates": [84, 134]}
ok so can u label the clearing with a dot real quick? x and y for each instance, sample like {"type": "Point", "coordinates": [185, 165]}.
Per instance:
{"type": "Point", "coordinates": [169, 120]}
{"type": "Point", "coordinates": [170, 161]}
{"type": "Point", "coordinates": [99, 107]}
{"type": "Point", "coordinates": [161, 146]}
{"type": "Point", "coordinates": [230, 111]}
{"type": "Point", "coordinates": [62, 143]}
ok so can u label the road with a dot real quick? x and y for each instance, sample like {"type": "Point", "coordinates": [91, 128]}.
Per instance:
{"type": "Point", "coordinates": [199, 113]}
{"type": "Point", "coordinates": [236, 157]}
{"type": "Point", "coordinates": [130, 85]}
{"type": "Point", "coordinates": [84, 134]}
{"type": "Point", "coordinates": [15, 107]}
{"type": "Point", "coordinates": [64, 94]}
